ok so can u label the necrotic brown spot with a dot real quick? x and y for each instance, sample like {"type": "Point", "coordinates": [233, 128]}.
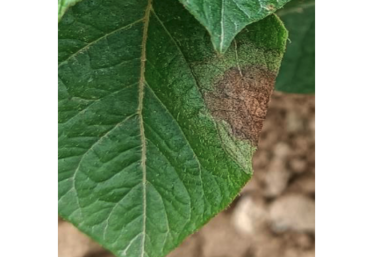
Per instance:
{"type": "Point", "coordinates": [241, 99]}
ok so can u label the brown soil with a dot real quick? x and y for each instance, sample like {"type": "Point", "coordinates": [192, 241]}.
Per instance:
{"type": "Point", "coordinates": [274, 215]}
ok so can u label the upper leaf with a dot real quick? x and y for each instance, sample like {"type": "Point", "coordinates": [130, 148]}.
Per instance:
{"type": "Point", "coordinates": [153, 137]}
{"type": "Point", "coordinates": [225, 18]}
{"type": "Point", "coordinates": [297, 73]}
{"type": "Point", "coordinates": [63, 5]}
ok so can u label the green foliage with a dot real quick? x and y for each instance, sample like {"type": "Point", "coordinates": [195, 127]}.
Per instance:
{"type": "Point", "coordinates": [297, 73]}
{"type": "Point", "coordinates": [224, 19]}
{"type": "Point", "coordinates": [142, 161]}
{"type": "Point", "coordinates": [63, 5]}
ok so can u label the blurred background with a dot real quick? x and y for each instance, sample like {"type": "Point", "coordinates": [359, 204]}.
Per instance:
{"type": "Point", "coordinates": [274, 216]}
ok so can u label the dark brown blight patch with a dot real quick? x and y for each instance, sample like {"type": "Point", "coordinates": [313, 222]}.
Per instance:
{"type": "Point", "coordinates": [241, 99]}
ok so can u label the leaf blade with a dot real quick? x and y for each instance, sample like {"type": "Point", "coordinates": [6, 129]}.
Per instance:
{"type": "Point", "coordinates": [101, 150]}
{"type": "Point", "coordinates": [225, 19]}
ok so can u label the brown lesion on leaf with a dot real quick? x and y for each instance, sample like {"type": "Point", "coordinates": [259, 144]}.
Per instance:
{"type": "Point", "coordinates": [241, 99]}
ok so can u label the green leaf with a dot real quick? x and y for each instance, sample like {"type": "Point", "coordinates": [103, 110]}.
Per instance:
{"type": "Point", "coordinates": [297, 73]}
{"type": "Point", "coordinates": [224, 19]}
{"type": "Point", "coordinates": [154, 135]}
{"type": "Point", "coordinates": [63, 5]}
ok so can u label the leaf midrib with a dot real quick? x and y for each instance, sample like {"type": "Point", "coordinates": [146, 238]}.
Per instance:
{"type": "Point", "coordinates": [140, 110]}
